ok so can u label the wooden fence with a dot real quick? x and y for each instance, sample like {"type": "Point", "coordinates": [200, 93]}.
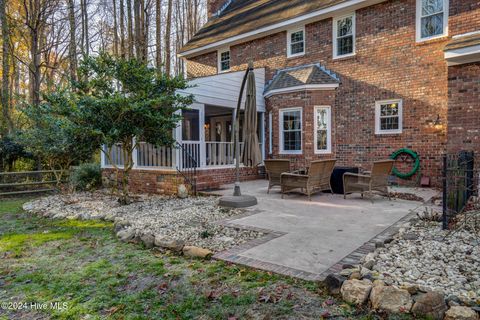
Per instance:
{"type": "Point", "coordinates": [27, 182]}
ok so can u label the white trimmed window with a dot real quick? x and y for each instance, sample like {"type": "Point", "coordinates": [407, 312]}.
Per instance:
{"type": "Point", "coordinates": [323, 130]}
{"type": "Point", "coordinates": [388, 117]}
{"type": "Point", "coordinates": [344, 36]}
{"type": "Point", "coordinates": [224, 60]}
{"type": "Point", "coordinates": [296, 42]}
{"type": "Point", "coordinates": [432, 19]}
{"type": "Point", "coordinates": [291, 131]}
{"type": "Point", "coordinates": [270, 133]}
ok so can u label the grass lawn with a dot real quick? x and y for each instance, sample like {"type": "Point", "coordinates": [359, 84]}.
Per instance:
{"type": "Point", "coordinates": [81, 266]}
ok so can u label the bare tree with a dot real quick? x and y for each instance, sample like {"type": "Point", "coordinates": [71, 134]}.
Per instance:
{"type": "Point", "coordinates": [115, 28]}
{"type": "Point", "coordinates": [72, 51]}
{"type": "Point", "coordinates": [158, 38]}
{"type": "Point", "coordinates": [5, 68]}
{"type": "Point", "coordinates": [130, 28]}
{"type": "Point", "coordinates": [122, 29]}
{"type": "Point", "coordinates": [168, 30]}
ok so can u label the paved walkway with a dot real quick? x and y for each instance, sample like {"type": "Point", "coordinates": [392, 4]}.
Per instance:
{"type": "Point", "coordinates": [311, 239]}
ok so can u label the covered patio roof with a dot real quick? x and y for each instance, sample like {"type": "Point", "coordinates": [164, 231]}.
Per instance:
{"type": "Point", "coordinates": [223, 89]}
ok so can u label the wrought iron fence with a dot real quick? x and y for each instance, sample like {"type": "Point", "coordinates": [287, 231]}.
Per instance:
{"type": "Point", "coordinates": [460, 182]}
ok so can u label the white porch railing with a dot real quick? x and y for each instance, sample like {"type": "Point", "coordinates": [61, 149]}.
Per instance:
{"type": "Point", "coordinates": [116, 155]}
{"type": "Point", "coordinates": [158, 157]}
{"type": "Point", "coordinates": [220, 153]}
{"type": "Point", "coordinates": [214, 154]}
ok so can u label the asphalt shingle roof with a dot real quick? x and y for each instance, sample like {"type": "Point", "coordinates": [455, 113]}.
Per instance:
{"type": "Point", "coordinates": [242, 16]}
{"type": "Point", "coordinates": [302, 76]}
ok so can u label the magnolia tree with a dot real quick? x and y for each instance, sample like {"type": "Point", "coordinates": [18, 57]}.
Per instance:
{"type": "Point", "coordinates": [125, 101]}
{"type": "Point", "coordinates": [54, 137]}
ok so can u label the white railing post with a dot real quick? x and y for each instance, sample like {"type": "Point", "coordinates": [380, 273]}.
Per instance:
{"type": "Point", "coordinates": [135, 154]}
{"type": "Point", "coordinates": [203, 154]}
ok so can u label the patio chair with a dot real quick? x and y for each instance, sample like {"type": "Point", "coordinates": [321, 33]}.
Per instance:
{"type": "Point", "coordinates": [316, 179]}
{"type": "Point", "coordinates": [274, 170]}
{"type": "Point", "coordinates": [368, 182]}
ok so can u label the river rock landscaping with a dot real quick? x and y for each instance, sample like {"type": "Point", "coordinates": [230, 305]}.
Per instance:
{"type": "Point", "coordinates": [166, 222]}
{"type": "Point", "coordinates": [422, 270]}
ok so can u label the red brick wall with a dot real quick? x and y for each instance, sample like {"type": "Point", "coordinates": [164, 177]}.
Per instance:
{"type": "Point", "coordinates": [167, 181]}
{"type": "Point", "coordinates": [464, 16]}
{"type": "Point", "coordinates": [464, 108]}
{"type": "Point", "coordinates": [388, 64]}
{"type": "Point", "coordinates": [306, 100]}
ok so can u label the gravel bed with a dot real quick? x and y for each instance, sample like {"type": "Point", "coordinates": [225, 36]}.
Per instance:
{"type": "Point", "coordinates": [434, 259]}
{"type": "Point", "coordinates": [192, 220]}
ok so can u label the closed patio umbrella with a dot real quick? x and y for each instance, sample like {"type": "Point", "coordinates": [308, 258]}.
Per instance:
{"type": "Point", "coordinates": [251, 156]}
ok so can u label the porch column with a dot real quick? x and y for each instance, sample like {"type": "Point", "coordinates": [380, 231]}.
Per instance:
{"type": "Point", "coordinates": [177, 135]}
{"type": "Point", "coordinates": [201, 120]}
{"type": "Point", "coordinates": [262, 133]}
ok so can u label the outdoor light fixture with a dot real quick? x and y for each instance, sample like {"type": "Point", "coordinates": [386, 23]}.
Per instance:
{"type": "Point", "coordinates": [437, 123]}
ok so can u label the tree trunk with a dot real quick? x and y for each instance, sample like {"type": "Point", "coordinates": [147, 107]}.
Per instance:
{"type": "Point", "coordinates": [35, 71]}
{"type": "Point", "coordinates": [85, 27]}
{"type": "Point", "coordinates": [168, 30]}
{"type": "Point", "coordinates": [5, 68]}
{"type": "Point", "coordinates": [158, 43]}
{"type": "Point", "coordinates": [130, 28]}
{"type": "Point", "coordinates": [115, 29]}
{"type": "Point", "coordinates": [122, 29]}
{"type": "Point", "coordinates": [72, 48]}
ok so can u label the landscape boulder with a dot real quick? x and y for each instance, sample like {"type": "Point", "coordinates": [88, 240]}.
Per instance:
{"type": "Point", "coordinates": [148, 240]}
{"type": "Point", "coordinates": [430, 305]}
{"type": "Point", "coordinates": [356, 291]}
{"type": "Point", "coordinates": [461, 313]}
{"type": "Point", "coordinates": [390, 299]}
{"type": "Point", "coordinates": [169, 243]}
{"type": "Point", "coordinates": [196, 252]}
{"type": "Point", "coordinates": [333, 282]}
{"type": "Point", "coordinates": [126, 235]}
{"type": "Point", "coordinates": [182, 191]}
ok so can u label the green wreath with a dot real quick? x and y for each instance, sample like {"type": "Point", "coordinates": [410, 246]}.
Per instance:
{"type": "Point", "coordinates": [412, 154]}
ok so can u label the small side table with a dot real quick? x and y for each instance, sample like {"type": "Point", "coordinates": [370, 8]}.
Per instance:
{"type": "Point", "coordinates": [336, 179]}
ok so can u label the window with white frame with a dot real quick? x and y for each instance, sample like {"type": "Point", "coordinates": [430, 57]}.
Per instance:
{"type": "Point", "coordinates": [432, 19]}
{"type": "Point", "coordinates": [291, 130]}
{"type": "Point", "coordinates": [224, 60]}
{"type": "Point", "coordinates": [344, 36]}
{"type": "Point", "coordinates": [323, 131]}
{"type": "Point", "coordinates": [296, 42]}
{"type": "Point", "coordinates": [270, 132]}
{"type": "Point", "coordinates": [388, 117]}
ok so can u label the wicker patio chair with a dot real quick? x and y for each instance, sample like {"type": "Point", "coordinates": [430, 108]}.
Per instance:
{"type": "Point", "coordinates": [375, 180]}
{"type": "Point", "coordinates": [317, 178]}
{"type": "Point", "coordinates": [274, 170]}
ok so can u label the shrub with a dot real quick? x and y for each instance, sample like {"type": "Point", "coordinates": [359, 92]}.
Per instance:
{"type": "Point", "coordinates": [87, 176]}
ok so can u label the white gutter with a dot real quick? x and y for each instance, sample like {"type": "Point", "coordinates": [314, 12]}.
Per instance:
{"type": "Point", "coordinates": [462, 55]}
{"type": "Point", "coordinates": [351, 5]}
{"type": "Point", "coordinates": [311, 87]}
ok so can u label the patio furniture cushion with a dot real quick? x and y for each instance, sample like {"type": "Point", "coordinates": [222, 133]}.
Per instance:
{"type": "Point", "coordinates": [376, 180]}
{"type": "Point", "coordinates": [317, 178]}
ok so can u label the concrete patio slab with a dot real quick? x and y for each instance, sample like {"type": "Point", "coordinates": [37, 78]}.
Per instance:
{"type": "Point", "coordinates": [311, 237]}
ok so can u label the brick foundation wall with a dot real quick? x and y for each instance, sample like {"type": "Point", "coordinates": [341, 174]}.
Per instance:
{"type": "Point", "coordinates": [388, 64]}
{"type": "Point", "coordinates": [464, 109]}
{"type": "Point", "coordinates": [166, 181]}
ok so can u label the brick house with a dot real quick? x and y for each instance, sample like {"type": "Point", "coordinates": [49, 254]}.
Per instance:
{"type": "Point", "coordinates": [353, 80]}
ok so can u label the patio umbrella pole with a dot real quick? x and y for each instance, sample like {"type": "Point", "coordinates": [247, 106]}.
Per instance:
{"type": "Point", "coordinates": [238, 200]}
{"type": "Point", "coordinates": [237, 192]}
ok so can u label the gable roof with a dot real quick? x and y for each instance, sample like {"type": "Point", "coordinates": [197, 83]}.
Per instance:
{"type": "Point", "coordinates": [312, 77]}
{"type": "Point", "coordinates": [255, 18]}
